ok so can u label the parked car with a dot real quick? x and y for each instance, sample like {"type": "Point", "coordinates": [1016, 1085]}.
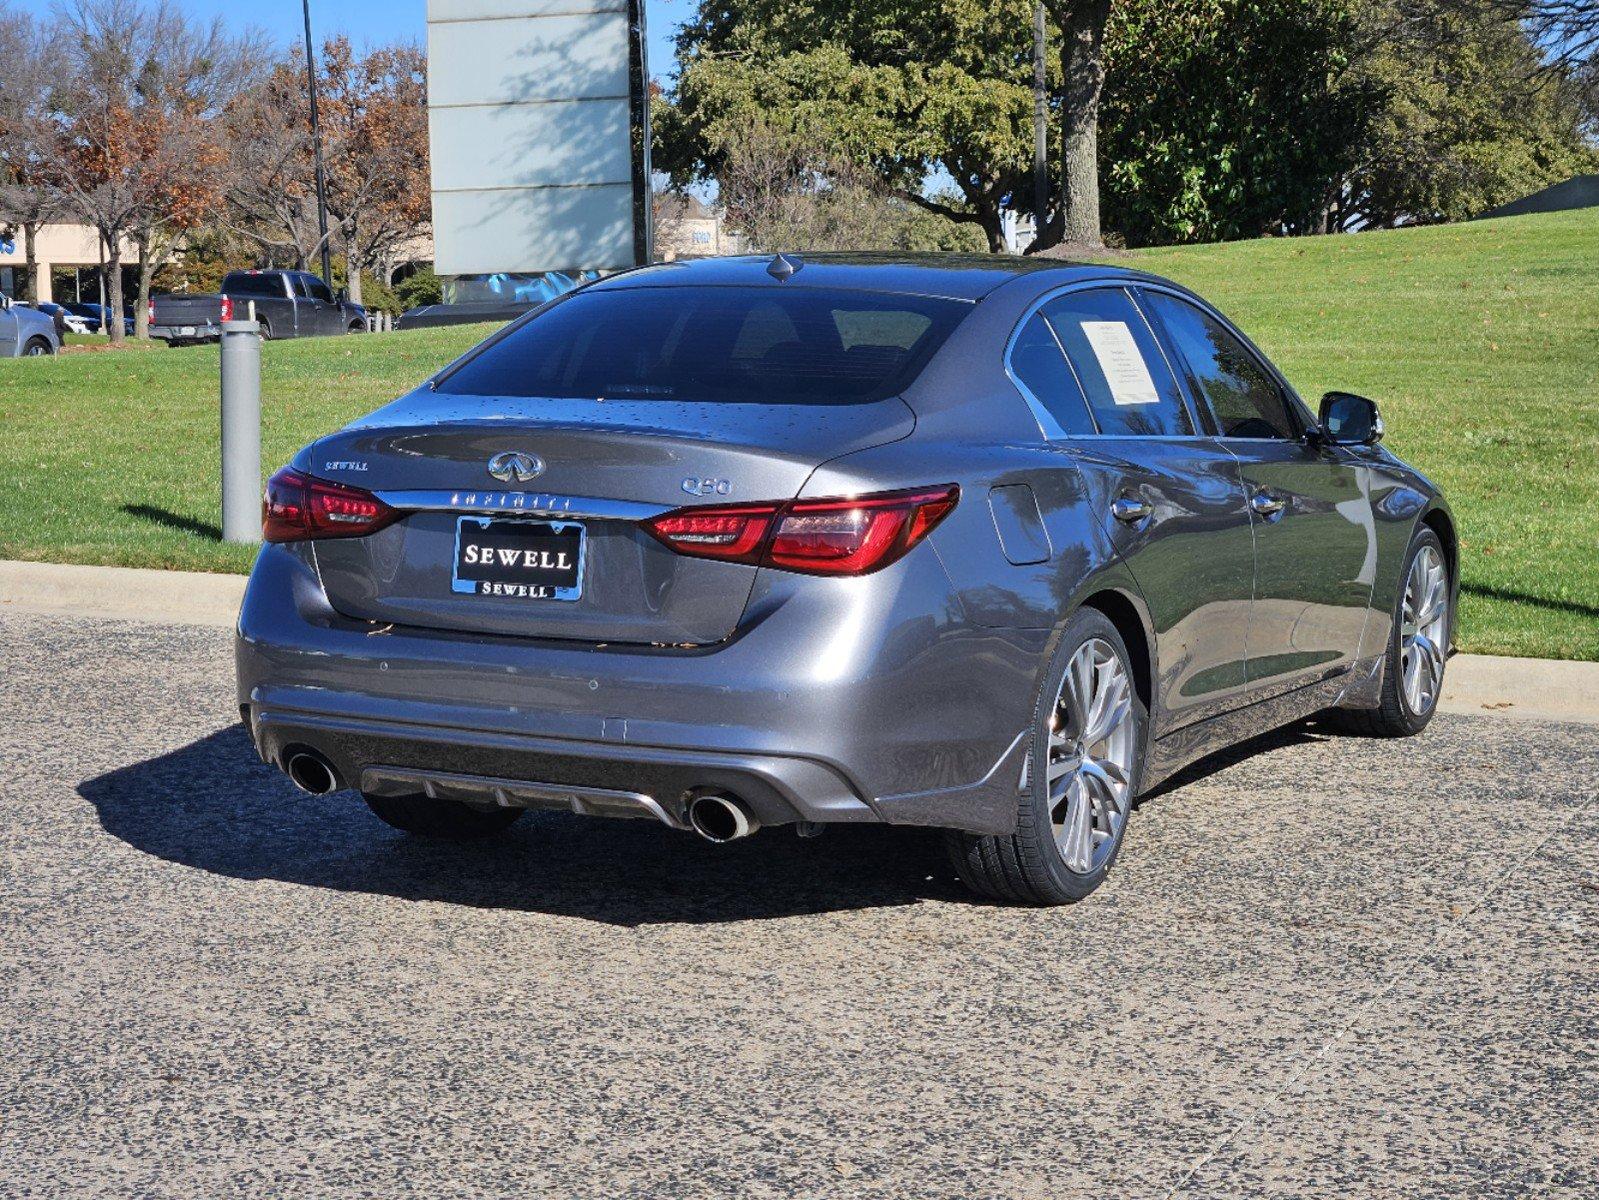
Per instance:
{"type": "Point", "coordinates": [991, 546]}
{"type": "Point", "coordinates": [70, 321]}
{"type": "Point", "coordinates": [25, 331]}
{"type": "Point", "coordinates": [287, 304]}
{"type": "Point", "coordinates": [94, 317]}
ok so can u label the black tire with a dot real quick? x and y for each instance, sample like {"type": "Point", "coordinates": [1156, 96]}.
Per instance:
{"type": "Point", "coordinates": [1026, 867]}
{"type": "Point", "coordinates": [1395, 717]}
{"type": "Point", "coordinates": [357, 326]}
{"type": "Point", "coordinates": [440, 818]}
{"type": "Point", "coordinates": [37, 348]}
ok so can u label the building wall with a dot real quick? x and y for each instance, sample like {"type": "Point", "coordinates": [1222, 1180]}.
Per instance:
{"type": "Point", "coordinates": [60, 245]}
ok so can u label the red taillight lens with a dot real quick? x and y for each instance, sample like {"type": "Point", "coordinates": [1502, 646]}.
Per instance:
{"type": "Point", "coordinates": [846, 536]}
{"type": "Point", "coordinates": [734, 532]}
{"type": "Point", "coordinates": [298, 507]}
{"type": "Point", "coordinates": [227, 309]}
{"type": "Point", "coordinates": [149, 312]}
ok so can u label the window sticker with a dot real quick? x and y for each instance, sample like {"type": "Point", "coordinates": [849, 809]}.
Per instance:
{"type": "Point", "coordinates": [1120, 359]}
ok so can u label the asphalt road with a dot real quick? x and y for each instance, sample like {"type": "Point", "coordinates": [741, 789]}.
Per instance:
{"type": "Point", "coordinates": [1323, 967]}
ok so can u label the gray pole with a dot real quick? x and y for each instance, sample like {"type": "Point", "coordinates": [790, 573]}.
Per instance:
{"type": "Point", "coordinates": [241, 431]}
{"type": "Point", "coordinates": [1040, 123]}
{"type": "Point", "coordinates": [316, 151]}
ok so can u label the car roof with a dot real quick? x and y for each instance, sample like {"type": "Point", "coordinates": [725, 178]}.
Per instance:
{"type": "Point", "coordinates": [957, 276]}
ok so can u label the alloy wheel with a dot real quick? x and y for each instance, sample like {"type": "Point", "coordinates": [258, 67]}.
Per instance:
{"type": "Point", "coordinates": [1423, 627]}
{"type": "Point", "coordinates": [1090, 757]}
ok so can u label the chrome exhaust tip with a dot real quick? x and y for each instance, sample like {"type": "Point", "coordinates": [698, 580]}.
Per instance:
{"type": "Point", "coordinates": [311, 773]}
{"type": "Point", "coordinates": [719, 818]}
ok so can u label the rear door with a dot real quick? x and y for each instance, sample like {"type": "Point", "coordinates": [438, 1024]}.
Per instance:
{"type": "Point", "coordinates": [1172, 500]}
{"type": "Point", "coordinates": [605, 409]}
{"type": "Point", "coordinates": [1315, 536]}
{"type": "Point", "coordinates": [328, 318]}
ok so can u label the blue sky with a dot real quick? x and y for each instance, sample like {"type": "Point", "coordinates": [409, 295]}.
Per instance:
{"type": "Point", "coordinates": [368, 22]}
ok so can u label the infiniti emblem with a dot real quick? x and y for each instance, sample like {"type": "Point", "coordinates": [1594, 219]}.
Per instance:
{"type": "Point", "coordinates": [515, 466]}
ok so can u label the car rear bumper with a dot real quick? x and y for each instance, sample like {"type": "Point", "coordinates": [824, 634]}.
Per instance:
{"type": "Point", "coordinates": [186, 333]}
{"type": "Point", "coordinates": [914, 718]}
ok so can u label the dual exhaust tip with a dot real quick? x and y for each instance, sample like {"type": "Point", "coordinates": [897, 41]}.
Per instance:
{"type": "Point", "coordinates": [311, 773]}
{"type": "Point", "coordinates": [714, 816]}
{"type": "Point", "coordinates": [721, 818]}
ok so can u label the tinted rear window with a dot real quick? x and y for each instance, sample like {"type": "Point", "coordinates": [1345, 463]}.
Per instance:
{"type": "Point", "coordinates": [754, 345]}
{"type": "Point", "coordinates": [244, 283]}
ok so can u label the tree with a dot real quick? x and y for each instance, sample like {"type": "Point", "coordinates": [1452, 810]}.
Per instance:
{"type": "Point", "coordinates": [135, 106]}
{"type": "Point", "coordinates": [1224, 119]}
{"type": "Point", "coordinates": [374, 115]}
{"type": "Point", "coordinates": [1474, 115]}
{"type": "Point", "coordinates": [901, 89]}
{"type": "Point", "coordinates": [1082, 63]}
{"type": "Point", "coordinates": [28, 145]}
{"type": "Point", "coordinates": [374, 138]}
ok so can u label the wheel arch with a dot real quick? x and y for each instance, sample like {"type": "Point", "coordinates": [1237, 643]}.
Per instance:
{"type": "Point", "coordinates": [1125, 613]}
{"type": "Point", "coordinates": [1440, 522]}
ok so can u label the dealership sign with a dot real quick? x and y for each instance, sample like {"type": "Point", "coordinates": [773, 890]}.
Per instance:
{"type": "Point", "coordinates": [538, 122]}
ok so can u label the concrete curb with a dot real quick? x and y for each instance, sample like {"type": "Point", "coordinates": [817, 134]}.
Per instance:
{"type": "Point", "coordinates": [1481, 685]}
{"type": "Point", "coordinates": [162, 597]}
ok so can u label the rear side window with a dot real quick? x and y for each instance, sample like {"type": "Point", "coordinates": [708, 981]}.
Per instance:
{"type": "Point", "coordinates": [1118, 364]}
{"type": "Point", "coordinates": [1243, 399]}
{"type": "Point", "coordinates": [744, 345]}
{"type": "Point", "coordinates": [1039, 364]}
{"type": "Point", "coordinates": [245, 283]}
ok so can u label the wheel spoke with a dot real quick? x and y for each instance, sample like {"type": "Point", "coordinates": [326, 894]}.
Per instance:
{"type": "Point", "coordinates": [1111, 705]}
{"type": "Point", "coordinates": [1074, 840]}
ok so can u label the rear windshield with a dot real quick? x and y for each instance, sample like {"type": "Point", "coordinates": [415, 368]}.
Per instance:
{"type": "Point", "coordinates": [742, 345]}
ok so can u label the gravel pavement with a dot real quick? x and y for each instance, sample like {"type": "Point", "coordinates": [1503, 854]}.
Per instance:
{"type": "Point", "coordinates": [1324, 967]}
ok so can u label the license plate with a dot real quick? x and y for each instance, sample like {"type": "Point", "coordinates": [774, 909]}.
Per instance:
{"type": "Point", "coordinates": [518, 560]}
{"type": "Point", "coordinates": [186, 331]}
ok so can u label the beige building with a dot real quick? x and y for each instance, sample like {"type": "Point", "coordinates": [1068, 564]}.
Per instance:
{"type": "Point", "coordinates": [58, 248]}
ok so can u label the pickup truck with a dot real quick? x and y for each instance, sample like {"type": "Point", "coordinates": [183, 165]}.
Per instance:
{"type": "Point", "coordinates": [287, 304]}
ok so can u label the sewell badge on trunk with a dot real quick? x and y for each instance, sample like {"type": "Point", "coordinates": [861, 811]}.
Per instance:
{"type": "Point", "coordinates": [518, 559]}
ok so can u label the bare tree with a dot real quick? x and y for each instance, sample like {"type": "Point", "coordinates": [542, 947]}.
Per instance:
{"type": "Point", "coordinates": [28, 143]}
{"type": "Point", "coordinates": [374, 109]}
{"type": "Point", "coordinates": [374, 130]}
{"type": "Point", "coordinates": [272, 191]}
{"type": "Point", "coordinates": [135, 106]}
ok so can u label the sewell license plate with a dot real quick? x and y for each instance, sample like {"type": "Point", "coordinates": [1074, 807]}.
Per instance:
{"type": "Point", "coordinates": [519, 559]}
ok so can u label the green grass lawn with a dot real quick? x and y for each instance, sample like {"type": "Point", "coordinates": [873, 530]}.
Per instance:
{"type": "Point", "coordinates": [1481, 341]}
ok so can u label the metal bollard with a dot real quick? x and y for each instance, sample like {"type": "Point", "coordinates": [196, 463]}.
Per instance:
{"type": "Point", "coordinates": [241, 431]}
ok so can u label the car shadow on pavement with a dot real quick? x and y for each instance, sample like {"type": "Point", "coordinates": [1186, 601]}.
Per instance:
{"type": "Point", "coordinates": [214, 806]}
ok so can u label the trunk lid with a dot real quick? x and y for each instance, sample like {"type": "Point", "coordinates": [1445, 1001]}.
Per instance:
{"type": "Point", "coordinates": [606, 464]}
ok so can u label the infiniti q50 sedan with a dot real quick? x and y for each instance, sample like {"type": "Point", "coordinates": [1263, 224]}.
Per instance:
{"type": "Point", "coordinates": [987, 545]}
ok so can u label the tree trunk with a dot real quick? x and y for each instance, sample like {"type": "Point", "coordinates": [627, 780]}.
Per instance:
{"type": "Point", "coordinates": [352, 264]}
{"type": "Point", "coordinates": [1083, 64]}
{"type": "Point", "coordinates": [30, 256]}
{"type": "Point", "coordinates": [141, 305]}
{"type": "Point", "coordinates": [113, 267]}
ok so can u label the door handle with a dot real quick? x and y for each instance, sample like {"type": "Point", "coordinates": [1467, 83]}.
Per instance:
{"type": "Point", "coordinates": [1130, 509]}
{"type": "Point", "coordinates": [1267, 505]}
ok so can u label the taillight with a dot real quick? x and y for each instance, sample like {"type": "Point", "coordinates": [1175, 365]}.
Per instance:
{"type": "Point", "coordinates": [846, 536]}
{"type": "Point", "coordinates": [298, 507]}
{"type": "Point", "coordinates": [149, 312]}
{"type": "Point", "coordinates": [227, 308]}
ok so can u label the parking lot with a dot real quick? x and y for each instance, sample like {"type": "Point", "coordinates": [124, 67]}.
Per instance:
{"type": "Point", "coordinates": [1325, 966]}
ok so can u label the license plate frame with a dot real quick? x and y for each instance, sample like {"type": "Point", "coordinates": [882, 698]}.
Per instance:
{"type": "Point", "coordinates": [472, 582]}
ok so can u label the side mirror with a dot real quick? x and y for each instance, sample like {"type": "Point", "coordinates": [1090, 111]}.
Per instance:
{"type": "Point", "coordinates": [342, 295]}
{"type": "Point", "coordinates": [5, 302]}
{"type": "Point", "coordinates": [1349, 420]}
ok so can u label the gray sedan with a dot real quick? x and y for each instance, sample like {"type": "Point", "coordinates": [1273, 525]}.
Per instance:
{"type": "Point", "coordinates": [988, 545]}
{"type": "Point", "coordinates": [24, 331]}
